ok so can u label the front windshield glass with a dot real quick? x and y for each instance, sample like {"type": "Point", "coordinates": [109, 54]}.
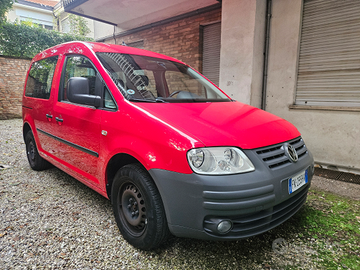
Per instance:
{"type": "Point", "coordinates": [147, 79]}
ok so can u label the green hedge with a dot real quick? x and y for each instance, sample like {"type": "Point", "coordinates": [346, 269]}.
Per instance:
{"type": "Point", "coordinates": [20, 40]}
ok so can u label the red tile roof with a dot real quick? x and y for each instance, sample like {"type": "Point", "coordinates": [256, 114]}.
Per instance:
{"type": "Point", "coordinates": [50, 3]}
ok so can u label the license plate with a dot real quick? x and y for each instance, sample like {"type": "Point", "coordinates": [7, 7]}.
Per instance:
{"type": "Point", "coordinates": [298, 181]}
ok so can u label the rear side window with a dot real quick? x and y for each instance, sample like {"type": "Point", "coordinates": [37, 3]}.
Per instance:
{"type": "Point", "coordinates": [40, 78]}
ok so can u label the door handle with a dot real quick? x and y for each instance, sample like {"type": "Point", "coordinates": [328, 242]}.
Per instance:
{"type": "Point", "coordinates": [59, 119]}
{"type": "Point", "coordinates": [49, 116]}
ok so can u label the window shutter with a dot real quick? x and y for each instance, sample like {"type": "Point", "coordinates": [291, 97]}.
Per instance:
{"type": "Point", "coordinates": [329, 62]}
{"type": "Point", "coordinates": [211, 52]}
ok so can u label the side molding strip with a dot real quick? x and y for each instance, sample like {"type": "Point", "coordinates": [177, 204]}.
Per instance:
{"type": "Point", "coordinates": [78, 147]}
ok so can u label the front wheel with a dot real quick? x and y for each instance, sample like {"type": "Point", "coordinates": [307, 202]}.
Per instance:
{"type": "Point", "coordinates": [138, 208]}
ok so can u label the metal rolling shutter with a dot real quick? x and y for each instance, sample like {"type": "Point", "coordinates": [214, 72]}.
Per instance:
{"type": "Point", "coordinates": [211, 52]}
{"type": "Point", "coordinates": [329, 62]}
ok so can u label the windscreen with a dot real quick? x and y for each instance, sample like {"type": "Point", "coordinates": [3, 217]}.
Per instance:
{"type": "Point", "coordinates": [148, 79]}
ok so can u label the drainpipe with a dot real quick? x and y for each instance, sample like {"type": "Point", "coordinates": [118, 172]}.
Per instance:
{"type": "Point", "coordinates": [57, 22]}
{"type": "Point", "coordinates": [266, 53]}
{"type": "Point", "coordinates": [114, 35]}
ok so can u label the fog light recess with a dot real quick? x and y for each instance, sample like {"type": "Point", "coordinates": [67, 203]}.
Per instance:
{"type": "Point", "coordinates": [224, 226]}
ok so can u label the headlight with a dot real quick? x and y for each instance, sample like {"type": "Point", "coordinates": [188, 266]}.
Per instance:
{"type": "Point", "coordinates": [219, 160]}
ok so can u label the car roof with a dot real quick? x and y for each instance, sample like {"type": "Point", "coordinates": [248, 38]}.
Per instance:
{"type": "Point", "coordinates": [80, 47]}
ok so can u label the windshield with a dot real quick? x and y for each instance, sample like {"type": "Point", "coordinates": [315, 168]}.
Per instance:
{"type": "Point", "coordinates": [147, 79]}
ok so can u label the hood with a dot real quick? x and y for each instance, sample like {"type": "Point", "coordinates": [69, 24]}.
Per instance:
{"type": "Point", "coordinates": [224, 123]}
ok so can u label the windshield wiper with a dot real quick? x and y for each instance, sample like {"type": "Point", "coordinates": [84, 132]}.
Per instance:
{"type": "Point", "coordinates": [146, 100]}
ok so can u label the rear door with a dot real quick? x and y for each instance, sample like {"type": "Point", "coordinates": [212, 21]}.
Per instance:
{"type": "Point", "coordinates": [39, 99]}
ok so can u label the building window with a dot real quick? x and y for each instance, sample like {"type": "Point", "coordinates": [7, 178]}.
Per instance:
{"type": "Point", "coordinates": [329, 60]}
{"type": "Point", "coordinates": [35, 22]}
{"type": "Point", "coordinates": [65, 25]}
{"type": "Point", "coordinates": [211, 36]}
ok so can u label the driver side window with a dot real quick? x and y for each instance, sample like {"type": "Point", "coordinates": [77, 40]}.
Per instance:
{"type": "Point", "coordinates": [79, 66]}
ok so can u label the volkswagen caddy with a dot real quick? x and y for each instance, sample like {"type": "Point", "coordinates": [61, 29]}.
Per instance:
{"type": "Point", "coordinates": [173, 153]}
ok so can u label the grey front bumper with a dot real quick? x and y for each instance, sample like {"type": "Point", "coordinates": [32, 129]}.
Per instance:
{"type": "Point", "coordinates": [254, 202]}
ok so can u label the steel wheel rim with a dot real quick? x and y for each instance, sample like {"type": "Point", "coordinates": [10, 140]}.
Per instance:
{"type": "Point", "coordinates": [132, 209]}
{"type": "Point", "coordinates": [31, 151]}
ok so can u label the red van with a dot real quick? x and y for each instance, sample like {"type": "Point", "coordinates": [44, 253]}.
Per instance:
{"type": "Point", "coordinates": [173, 153]}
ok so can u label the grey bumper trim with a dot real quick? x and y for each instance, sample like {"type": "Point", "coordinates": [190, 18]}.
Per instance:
{"type": "Point", "coordinates": [255, 202]}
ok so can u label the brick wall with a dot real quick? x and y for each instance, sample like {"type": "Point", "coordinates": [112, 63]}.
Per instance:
{"type": "Point", "coordinates": [180, 39]}
{"type": "Point", "coordinates": [12, 78]}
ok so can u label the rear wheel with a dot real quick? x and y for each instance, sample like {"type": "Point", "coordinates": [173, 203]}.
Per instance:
{"type": "Point", "coordinates": [36, 162]}
{"type": "Point", "coordinates": [138, 208]}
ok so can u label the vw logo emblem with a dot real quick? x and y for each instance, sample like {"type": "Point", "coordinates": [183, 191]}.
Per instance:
{"type": "Point", "coordinates": [291, 152]}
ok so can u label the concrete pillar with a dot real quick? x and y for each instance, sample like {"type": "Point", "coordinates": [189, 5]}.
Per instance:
{"type": "Point", "coordinates": [242, 49]}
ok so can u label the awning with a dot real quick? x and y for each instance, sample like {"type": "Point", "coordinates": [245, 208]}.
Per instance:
{"type": "Point", "coordinates": [130, 14]}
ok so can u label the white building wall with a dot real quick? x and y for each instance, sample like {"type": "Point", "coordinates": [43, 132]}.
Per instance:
{"type": "Point", "coordinates": [102, 30]}
{"type": "Point", "coordinates": [11, 15]}
{"type": "Point", "coordinates": [332, 136]}
{"type": "Point", "coordinates": [36, 15]}
{"type": "Point", "coordinates": [242, 47]}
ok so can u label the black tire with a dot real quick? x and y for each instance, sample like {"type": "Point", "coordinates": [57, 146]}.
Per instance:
{"type": "Point", "coordinates": [138, 208]}
{"type": "Point", "coordinates": [36, 162]}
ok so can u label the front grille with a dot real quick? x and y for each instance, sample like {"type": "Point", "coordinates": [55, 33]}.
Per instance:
{"type": "Point", "coordinates": [274, 156]}
{"type": "Point", "coordinates": [254, 224]}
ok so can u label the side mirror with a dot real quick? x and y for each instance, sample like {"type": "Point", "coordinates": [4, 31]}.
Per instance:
{"type": "Point", "coordinates": [78, 92]}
